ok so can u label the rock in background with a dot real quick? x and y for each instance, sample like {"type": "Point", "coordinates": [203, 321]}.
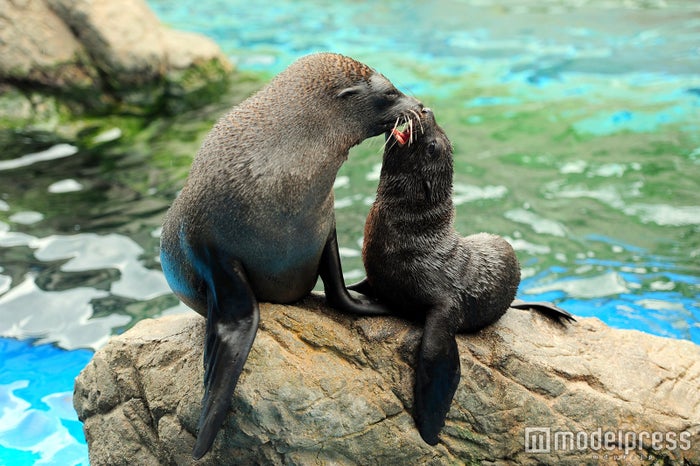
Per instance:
{"type": "Point", "coordinates": [101, 56]}
{"type": "Point", "coordinates": [324, 388]}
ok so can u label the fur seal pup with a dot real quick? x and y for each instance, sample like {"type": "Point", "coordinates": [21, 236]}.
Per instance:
{"type": "Point", "coordinates": [255, 221]}
{"type": "Point", "coordinates": [419, 265]}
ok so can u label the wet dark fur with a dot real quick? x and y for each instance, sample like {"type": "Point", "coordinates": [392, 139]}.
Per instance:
{"type": "Point", "coordinates": [414, 257]}
{"type": "Point", "coordinates": [419, 265]}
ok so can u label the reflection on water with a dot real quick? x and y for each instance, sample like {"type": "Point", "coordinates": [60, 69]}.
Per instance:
{"type": "Point", "coordinates": [65, 313]}
{"type": "Point", "coordinates": [62, 291]}
{"type": "Point", "coordinates": [577, 137]}
{"type": "Point", "coordinates": [652, 299]}
{"type": "Point", "coordinates": [37, 422]}
{"type": "Point", "coordinates": [54, 152]}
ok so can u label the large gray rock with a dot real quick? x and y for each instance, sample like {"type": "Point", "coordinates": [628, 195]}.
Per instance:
{"type": "Point", "coordinates": [324, 388]}
{"type": "Point", "coordinates": [37, 46]}
{"type": "Point", "coordinates": [105, 54]}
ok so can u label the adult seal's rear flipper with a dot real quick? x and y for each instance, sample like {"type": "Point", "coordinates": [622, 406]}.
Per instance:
{"type": "Point", "coordinates": [548, 309]}
{"type": "Point", "coordinates": [337, 294]}
{"type": "Point", "coordinates": [232, 321]}
{"type": "Point", "coordinates": [437, 377]}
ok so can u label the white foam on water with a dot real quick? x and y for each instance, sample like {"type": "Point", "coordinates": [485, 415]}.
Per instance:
{"type": "Point", "coordinates": [341, 182]}
{"type": "Point", "coordinates": [27, 217]}
{"type": "Point", "coordinates": [62, 317]}
{"type": "Point", "coordinates": [349, 252]}
{"type": "Point", "coordinates": [520, 244]}
{"type": "Point", "coordinates": [9, 238]}
{"type": "Point", "coordinates": [5, 283]}
{"type": "Point", "coordinates": [665, 215]}
{"type": "Point", "coordinates": [107, 136]}
{"type": "Point", "coordinates": [463, 193]}
{"type": "Point", "coordinates": [539, 224]}
{"type": "Point", "coordinates": [65, 186]}
{"type": "Point", "coordinates": [58, 151]}
{"type": "Point", "coordinates": [374, 173]}
{"type": "Point", "coordinates": [89, 251]}
{"type": "Point", "coordinates": [575, 166]}
{"type": "Point", "coordinates": [598, 286]}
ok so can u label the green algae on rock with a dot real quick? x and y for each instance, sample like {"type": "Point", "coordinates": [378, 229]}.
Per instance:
{"type": "Point", "coordinates": [101, 57]}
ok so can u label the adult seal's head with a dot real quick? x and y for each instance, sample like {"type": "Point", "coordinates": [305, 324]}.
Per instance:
{"type": "Point", "coordinates": [419, 265]}
{"type": "Point", "coordinates": [351, 101]}
{"type": "Point", "coordinates": [255, 218]}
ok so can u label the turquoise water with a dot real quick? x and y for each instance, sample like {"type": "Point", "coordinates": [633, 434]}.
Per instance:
{"type": "Point", "coordinates": [37, 423]}
{"type": "Point", "coordinates": [576, 133]}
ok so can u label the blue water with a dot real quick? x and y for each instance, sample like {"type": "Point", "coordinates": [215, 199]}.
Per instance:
{"type": "Point", "coordinates": [602, 71]}
{"type": "Point", "coordinates": [38, 424]}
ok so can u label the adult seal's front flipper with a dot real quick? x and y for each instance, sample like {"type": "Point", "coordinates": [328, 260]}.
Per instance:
{"type": "Point", "coordinates": [232, 321]}
{"type": "Point", "coordinates": [548, 309]}
{"type": "Point", "coordinates": [337, 294]}
{"type": "Point", "coordinates": [437, 376]}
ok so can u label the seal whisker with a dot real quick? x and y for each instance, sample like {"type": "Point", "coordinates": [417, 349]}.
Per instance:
{"type": "Point", "coordinates": [384, 146]}
{"type": "Point", "coordinates": [420, 123]}
{"type": "Point", "coordinates": [394, 142]}
{"type": "Point", "coordinates": [417, 118]}
{"type": "Point", "coordinates": [396, 125]}
{"type": "Point", "coordinates": [407, 123]}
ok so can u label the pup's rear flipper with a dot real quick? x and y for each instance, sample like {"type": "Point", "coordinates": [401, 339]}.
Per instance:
{"type": "Point", "coordinates": [548, 309]}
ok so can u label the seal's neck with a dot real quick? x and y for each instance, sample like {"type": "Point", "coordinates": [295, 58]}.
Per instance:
{"type": "Point", "coordinates": [420, 188]}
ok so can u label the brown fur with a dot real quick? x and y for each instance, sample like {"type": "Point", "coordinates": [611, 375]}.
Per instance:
{"type": "Point", "coordinates": [260, 187]}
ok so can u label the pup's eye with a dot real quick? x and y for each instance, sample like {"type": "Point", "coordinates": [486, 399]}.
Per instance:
{"type": "Point", "coordinates": [431, 148]}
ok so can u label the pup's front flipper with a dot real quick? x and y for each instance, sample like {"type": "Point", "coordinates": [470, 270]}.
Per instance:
{"type": "Point", "coordinates": [337, 294]}
{"type": "Point", "coordinates": [232, 321]}
{"type": "Point", "coordinates": [437, 376]}
{"type": "Point", "coordinates": [363, 287]}
{"type": "Point", "coordinates": [548, 309]}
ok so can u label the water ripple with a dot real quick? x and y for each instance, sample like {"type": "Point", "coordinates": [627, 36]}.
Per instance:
{"type": "Point", "coordinates": [55, 152]}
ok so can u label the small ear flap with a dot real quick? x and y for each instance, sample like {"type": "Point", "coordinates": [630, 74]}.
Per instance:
{"type": "Point", "coordinates": [348, 91]}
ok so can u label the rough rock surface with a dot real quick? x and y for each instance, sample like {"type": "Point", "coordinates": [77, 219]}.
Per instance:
{"type": "Point", "coordinates": [324, 388]}
{"type": "Point", "coordinates": [102, 54]}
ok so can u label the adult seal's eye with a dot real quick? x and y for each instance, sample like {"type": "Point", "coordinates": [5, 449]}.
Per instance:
{"type": "Point", "coordinates": [431, 148]}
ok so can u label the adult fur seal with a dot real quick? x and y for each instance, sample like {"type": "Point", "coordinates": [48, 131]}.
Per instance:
{"type": "Point", "coordinates": [420, 266]}
{"type": "Point", "coordinates": [255, 221]}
